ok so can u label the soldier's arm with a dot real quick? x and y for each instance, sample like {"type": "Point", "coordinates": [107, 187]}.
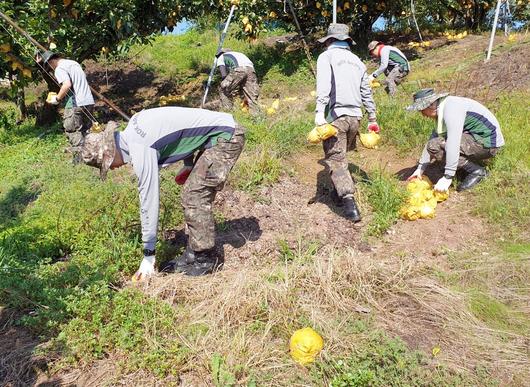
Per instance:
{"type": "Point", "coordinates": [384, 63]}
{"type": "Point", "coordinates": [145, 164]}
{"type": "Point", "coordinates": [454, 118]}
{"type": "Point", "coordinates": [367, 97]}
{"type": "Point", "coordinates": [323, 83]}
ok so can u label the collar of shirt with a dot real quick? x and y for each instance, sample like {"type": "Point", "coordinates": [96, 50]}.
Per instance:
{"type": "Point", "coordinates": [339, 44]}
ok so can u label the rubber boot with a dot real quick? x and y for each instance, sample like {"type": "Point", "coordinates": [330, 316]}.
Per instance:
{"type": "Point", "coordinates": [350, 209]}
{"type": "Point", "coordinates": [178, 265]}
{"type": "Point", "coordinates": [475, 173]}
{"type": "Point", "coordinates": [206, 262]}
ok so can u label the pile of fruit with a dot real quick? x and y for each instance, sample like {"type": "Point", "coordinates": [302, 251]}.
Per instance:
{"type": "Point", "coordinates": [422, 200]}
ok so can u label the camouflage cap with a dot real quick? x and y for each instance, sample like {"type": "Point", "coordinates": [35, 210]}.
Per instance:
{"type": "Point", "coordinates": [373, 44]}
{"type": "Point", "coordinates": [423, 98]}
{"type": "Point", "coordinates": [338, 31]}
{"type": "Point", "coordinates": [99, 149]}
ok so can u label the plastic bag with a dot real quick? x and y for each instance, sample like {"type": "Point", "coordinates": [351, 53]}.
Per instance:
{"type": "Point", "coordinates": [305, 345]}
{"type": "Point", "coordinates": [321, 133]}
{"type": "Point", "coordinates": [370, 140]}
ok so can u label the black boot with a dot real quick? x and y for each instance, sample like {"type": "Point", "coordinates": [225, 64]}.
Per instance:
{"type": "Point", "coordinates": [475, 173]}
{"type": "Point", "coordinates": [177, 265]}
{"type": "Point", "coordinates": [206, 262]}
{"type": "Point", "coordinates": [350, 209]}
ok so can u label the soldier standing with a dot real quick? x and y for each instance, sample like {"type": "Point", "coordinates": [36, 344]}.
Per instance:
{"type": "Point", "coordinates": [159, 137]}
{"type": "Point", "coordinates": [393, 63]}
{"type": "Point", "coordinates": [77, 118]}
{"type": "Point", "coordinates": [342, 90]}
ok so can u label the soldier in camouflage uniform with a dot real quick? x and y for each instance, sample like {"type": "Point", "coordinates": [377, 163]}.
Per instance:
{"type": "Point", "coordinates": [162, 136]}
{"type": "Point", "coordinates": [342, 89]}
{"type": "Point", "coordinates": [239, 78]}
{"type": "Point", "coordinates": [77, 118]}
{"type": "Point", "coordinates": [393, 63]}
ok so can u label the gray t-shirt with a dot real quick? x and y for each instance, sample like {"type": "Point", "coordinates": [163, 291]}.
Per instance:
{"type": "Point", "coordinates": [162, 136]}
{"type": "Point", "coordinates": [71, 70]}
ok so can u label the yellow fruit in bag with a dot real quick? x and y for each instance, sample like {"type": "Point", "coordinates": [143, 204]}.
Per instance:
{"type": "Point", "coordinates": [427, 211]}
{"type": "Point", "coordinates": [370, 139]}
{"type": "Point", "coordinates": [416, 198]}
{"type": "Point", "coordinates": [305, 345]}
{"type": "Point", "coordinates": [409, 212]}
{"type": "Point", "coordinates": [440, 196]}
{"type": "Point", "coordinates": [326, 131]}
{"type": "Point", "coordinates": [51, 94]}
{"type": "Point", "coordinates": [428, 194]}
{"type": "Point", "coordinates": [313, 136]}
{"type": "Point", "coordinates": [419, 184]}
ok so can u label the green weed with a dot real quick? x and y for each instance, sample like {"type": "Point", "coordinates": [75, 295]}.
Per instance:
{"type": "Point", "coordinates": [381, 361]}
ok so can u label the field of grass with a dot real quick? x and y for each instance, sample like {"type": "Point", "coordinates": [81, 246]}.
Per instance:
{"type": "Point", "coordinates": [69, 243]}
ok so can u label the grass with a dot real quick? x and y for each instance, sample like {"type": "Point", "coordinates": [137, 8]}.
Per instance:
{"type": "Point", "coordinates": [69, 243]}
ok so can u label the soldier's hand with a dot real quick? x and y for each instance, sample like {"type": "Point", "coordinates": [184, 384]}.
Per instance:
{"type": "Point", "coordinates": [320, 119]}
{"type": "Point", "coordinates": [146, 269]}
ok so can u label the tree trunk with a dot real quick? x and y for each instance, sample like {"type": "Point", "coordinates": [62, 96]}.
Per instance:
{"type": "Point", "coordinates": [21, 103]}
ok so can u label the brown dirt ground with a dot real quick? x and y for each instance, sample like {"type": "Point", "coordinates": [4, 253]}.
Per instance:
{"type": "Point", "coordinates": [296, 210]}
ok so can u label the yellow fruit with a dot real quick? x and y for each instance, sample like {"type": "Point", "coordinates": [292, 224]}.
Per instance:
{"type": "Point", "coordinates": [53, 13]}
{"type": "Point", "coordinates": [50, 95]}
{"type": "Point", "coordinates": [245, 20]}
{"type": "Point", "coordinates": [409, 212]}
{"type": "Point", "coordinates": [416, 198]}
{"type": "Point", "coordinates": [271, 111]}
{"type": "Point", "coordinates": [313, 93]}
{"type": "Point", "coordinates": [364, 8]}
{"type": "Point", "coordinates": [370, 139]}
{"type": "Point", "coordinates": [234, 2]}
{"type": "Point", "coordinates": [275, 104]}
{"type": "Point", "coordinates": [440, 196]}
{"type": "Point", "coordinates": [104, 50]}
{"type": "Point", "coordinates": [426, 211]}
{"type": "Point", "coordinates": [118, 24]}
{"type": "Point", "coordinates": [248, 28]}
{"type": "Point", "coordinates": [326, 131]}
{"type": "Point", "coordinates": [464, 34]}
{"type": "Point", "coordinates": [5, 47]}
{"type": "Point", "coordinates": [27, 73]}
{"type": "Point", "coordinates": [305, 345]}
{"type": "Point", "coordinates": [244, 109]}
{"type": "Point", "coordinates": [346, 5]}
{"type": "Point", "coordinates": [419, 184]}
{"type": "Point", "coordinates": [313, 136]}
{"type": "Point", "coordinates": [374, 84]}
{"type": "Point", "coordinates": [318, 5]}
{"type": "Point", "coordinates": [96, 128]}
{"type": "Point", "coordinates": [272, 14]}
{"type": "Point", "coordinates": [53, 46]}
{"type": "Point", "coordinates": [428, 194]}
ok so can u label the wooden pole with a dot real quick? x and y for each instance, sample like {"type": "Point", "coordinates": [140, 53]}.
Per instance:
{"type": "Point", "coordinates": [304, 43]}
{"type": "Point", "coordinates": [42, 48]}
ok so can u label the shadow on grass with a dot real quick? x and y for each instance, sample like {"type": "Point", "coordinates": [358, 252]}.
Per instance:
{"type": "Point", "coordinates": [15, 202]}
{"type": "Point", "coordinates": [234, 232]}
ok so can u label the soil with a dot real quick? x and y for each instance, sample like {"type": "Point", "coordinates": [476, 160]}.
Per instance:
{"type": "Point", "coordinates": [298, 212]}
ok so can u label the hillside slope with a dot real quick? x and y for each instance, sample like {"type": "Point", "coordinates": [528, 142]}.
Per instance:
{"type": "Point", "coordinates": [430, 302]}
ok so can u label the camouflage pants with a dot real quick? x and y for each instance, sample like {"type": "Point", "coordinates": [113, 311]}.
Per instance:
{"type": "Point", "coordinates": [76, 124]}
{"type": "Point", "coordinates": [208, 176]}
{"type": "Point", "coordinates": [394, 78]}
{"type": "Point", "coordinates": [470, 150]}
{"type": "Point", "coordinates": [240, 81]}
{"type": "Point", "coordinates": [335, 149]}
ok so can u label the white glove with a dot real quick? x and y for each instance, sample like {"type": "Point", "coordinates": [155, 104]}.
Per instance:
{"type": "Point", "coordinates": [443, 184]}
{"type": "Point", "coordinates": [416, 174]}
{"type": "Point", "coordinates": [146, 269]}
{"type": "Point", "coordinates": [54, 100]}
{"type": "Point", "coordinates": [371, 78]}
{"type": "Point", "coordinates": [320, 119]}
